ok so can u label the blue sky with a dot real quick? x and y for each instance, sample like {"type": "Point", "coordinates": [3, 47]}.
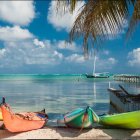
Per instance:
{"type": "Point", "coordinates": [32, 40]}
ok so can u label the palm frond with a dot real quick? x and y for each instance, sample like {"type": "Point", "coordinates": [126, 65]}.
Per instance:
{"type": "Point", "coordinates": [72, 5]}
{"type": "Point", "coordinates": [99, 20]}
{"type": "Point", "coordinates": [66, 5]}
{"type": "Point", "coordinates": [135, 19]}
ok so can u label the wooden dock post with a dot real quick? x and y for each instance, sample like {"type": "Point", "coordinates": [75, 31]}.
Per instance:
{"type": "Point", "coordinates": [127, 78]}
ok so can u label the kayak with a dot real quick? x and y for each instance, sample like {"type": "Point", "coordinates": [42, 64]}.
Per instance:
{"type": "Point", "coordinates": [1, 116]}
{"type": "Point", "coordinates": [19, 122]}
{"type": "Point", "coordinates": [128, 120]}
{"type": "Point", "coordinates": [79, 118]}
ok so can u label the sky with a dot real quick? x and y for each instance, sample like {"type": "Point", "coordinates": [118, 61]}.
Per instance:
{"type": "Point", "coordinates": [33, 41]}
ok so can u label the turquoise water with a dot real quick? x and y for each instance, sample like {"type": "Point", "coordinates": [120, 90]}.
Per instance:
{"type": "Point", "coordinates": [58, 93]}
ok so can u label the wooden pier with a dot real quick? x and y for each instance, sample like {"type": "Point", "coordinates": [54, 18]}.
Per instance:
{"type": "Point", "coordinates": [127, 78]}
{"type": "Point", "coordinates": [124, 102]}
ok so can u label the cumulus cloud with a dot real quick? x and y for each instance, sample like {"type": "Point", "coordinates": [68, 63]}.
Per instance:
{"type": "Point", "coordinates": [104, 63]}
{"type": "Point", "coordinates": [63, 45]}
{"type": "Point", "coordinates": [17, 12]}
{"type": "Point", "coordinates": [39, 43]}
{"type": "Point", "coordinates": [134, 57]}
{"type": "Point", "coordinates": [101, 63]}
{"type": "Point", "coordinates": [112, 60]}
{"type": "Point", "coordinates": [75, 58]}
{"type": "Point", "coordinates": [25, 53]}
{"type": "Point", "coordinates": [15, 33]}
{"type": "Point", "coordinates": [58, 45]}
{"type": "Point", "coordinates": [60, 21]}
{"type": "Point", "coordinates": [2, 52]}
{"type": "Point", "coordinates": [57, 54]}
{"type": "Point", "coordinates": [22, 49]}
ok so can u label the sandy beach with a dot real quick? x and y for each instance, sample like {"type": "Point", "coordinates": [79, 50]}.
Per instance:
{"type": "Point", "coordinates": [69, 133]}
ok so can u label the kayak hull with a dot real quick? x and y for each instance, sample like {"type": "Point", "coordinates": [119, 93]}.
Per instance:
{"type": "Point", "coordinates": [129, 120]}
{"type": "Point", "coordinates": [18, 123]}
{"type": "Point", "coordinates": [1, 115]}
{"type": "Point", "coordinates": [79, 118]}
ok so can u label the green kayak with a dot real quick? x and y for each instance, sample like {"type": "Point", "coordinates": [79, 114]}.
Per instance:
{"type": "Point", "coordinates": [84, 118]}
{"type": "Point", "coordinates": [128, 120]}
{"type": "Point", "coordinates": [79, 118]}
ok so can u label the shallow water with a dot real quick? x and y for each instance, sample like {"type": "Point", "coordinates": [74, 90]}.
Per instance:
{"type": "Point", "coordinates": [58, 94]}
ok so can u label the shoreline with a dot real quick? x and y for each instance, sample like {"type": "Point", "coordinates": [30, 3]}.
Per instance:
{"type": "Point", "coordinates": [71, 133]}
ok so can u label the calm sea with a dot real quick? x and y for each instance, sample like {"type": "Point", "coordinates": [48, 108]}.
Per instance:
{"type": "Point", "coordinates": [58, 94]}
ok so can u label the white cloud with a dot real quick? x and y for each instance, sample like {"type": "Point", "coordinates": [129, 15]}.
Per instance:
{"type": "Point", "coordinates": [60, 21]}
{"type": "Point", "coordinates": [57, 54]}
{"type": "Point", "coordinates": [57, 44]}
{"type": "Point", "coordinates": [17, 12]}
{"type": "Point", "coordinates": [112, 60]}
{"type": "Point", "coordinates": [22, 49]}
{"type": "Point", "coordinates": [75, 58]}
{"type": "Point", "coordinates": [38, 56]}
{"type": "Point", "coordinates": [134, 57]}
{"type": "Point", "coordinates": [14, 34]}
{"type": "Point", "coordinates": [2, 52]}
{"type": "Point", "coordinates": [20, 53]}
{"type": "Point", "coordinates": [25, 54]}
{"type": "Point", "coordinates": [105, 62]}
{"type": "Point", "coordinates": [39, 43]}
{"type": "Point", "coordinates": [66, 46]}
{"type": "Point", "coordinates": [101, 63]}
{"type": "Point", "coordinates": [106, 52]}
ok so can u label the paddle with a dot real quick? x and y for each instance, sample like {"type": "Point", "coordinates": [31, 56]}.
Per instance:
{"type": "Point", "coordinates": [124, 90]}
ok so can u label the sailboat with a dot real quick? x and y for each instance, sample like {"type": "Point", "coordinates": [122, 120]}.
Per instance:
{"type": "Point", "coordinates": [97, 75]}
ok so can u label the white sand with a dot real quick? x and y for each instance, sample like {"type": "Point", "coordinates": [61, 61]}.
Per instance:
{"type": "Point", "coordinates": [68, 133]}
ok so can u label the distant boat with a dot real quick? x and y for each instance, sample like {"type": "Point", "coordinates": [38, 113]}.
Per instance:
{"type": "Point", "coordinates": [97, 75]}
{"type": "Point", "coordinates": [79, 118]}
{"type": "Point", "coordinates": [22, 121]}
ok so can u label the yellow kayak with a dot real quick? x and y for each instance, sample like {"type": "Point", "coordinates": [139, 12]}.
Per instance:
{"type": "Point", "coordinates": [1, 116]}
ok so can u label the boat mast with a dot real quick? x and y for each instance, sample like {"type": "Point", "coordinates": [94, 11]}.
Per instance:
{"type": "Point", "coordinates": [94, 63]}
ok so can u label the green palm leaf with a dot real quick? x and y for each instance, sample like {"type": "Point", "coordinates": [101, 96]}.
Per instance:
{"type": "Point", "coordinates": [101, 19]}
{"type": "Point", "coordinates": [134, 19]}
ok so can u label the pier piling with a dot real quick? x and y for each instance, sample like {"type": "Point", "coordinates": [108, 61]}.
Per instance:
{"type": "Point", "coordinates": [127, 78]}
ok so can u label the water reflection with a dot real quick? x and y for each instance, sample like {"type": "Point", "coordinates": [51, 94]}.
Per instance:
{"type": "Point", "coordinates": [59, 95]}
{"type": "Point", "coordinates": [94, 95]}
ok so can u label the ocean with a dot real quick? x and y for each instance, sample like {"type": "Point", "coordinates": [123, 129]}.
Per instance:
{"type": "Point", "coordinates": [58, 94]}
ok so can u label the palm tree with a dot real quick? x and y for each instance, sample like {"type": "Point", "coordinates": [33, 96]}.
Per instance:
{"type": "Point", "coordinates": [99, 19]}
